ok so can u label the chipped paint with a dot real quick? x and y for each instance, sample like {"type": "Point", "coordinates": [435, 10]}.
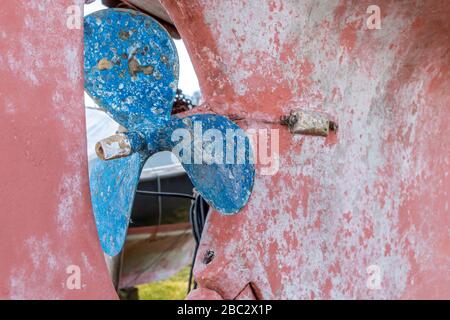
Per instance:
{"type": "Point", "coordinates": [114, 182]}
{"type": "Point", "coordinates": [143, 105]}
{"type": "Point", "coordinates": [127, 74]}
{"type": "Point", "coordinates": [374, 194]}
{"type": "Point", "coordinates": [45, 213]}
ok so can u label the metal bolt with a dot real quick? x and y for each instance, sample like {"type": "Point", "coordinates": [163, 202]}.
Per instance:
{"type": "Point", "coordinates": [309, 122]}
{"type": "Point", "coordinates": [208, 257]}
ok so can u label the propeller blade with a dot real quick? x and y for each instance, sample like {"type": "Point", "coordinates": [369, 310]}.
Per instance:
{"type": "Point", "coordinates": [216, 154]}
{"type": "Point", "coordinates": [113, 185]}
{"type": "Point", "coordinates": [130, 67]}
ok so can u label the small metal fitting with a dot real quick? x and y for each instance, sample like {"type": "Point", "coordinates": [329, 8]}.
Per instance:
{"type": "Point", "coordinates": [113, 147]}
{"type": "Point", "coordinates": [119, 145]}
{"type": "Point", "coordinates": [308, 122]}
{"type": "Point", "coordinates": [208, 257]}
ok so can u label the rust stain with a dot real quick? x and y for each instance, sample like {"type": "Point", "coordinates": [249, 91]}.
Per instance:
{"type": "Point", "coordinates": [147, 70]}
{"type": "Point", "coordinates": [104, 64]}
{"type": "Point", "coordinates": [124, 35]}
{"type": "Point", "coordinates": [134, 67]}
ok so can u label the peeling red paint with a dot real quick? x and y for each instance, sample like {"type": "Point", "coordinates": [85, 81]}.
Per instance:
{"type": "Point", "coordinates": [46, 218]}
{"type": "Point", "coordinates": [374, 194]}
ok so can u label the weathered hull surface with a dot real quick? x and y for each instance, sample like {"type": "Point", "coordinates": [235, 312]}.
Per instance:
{"type": "Point", "coordinates": [372, 198]}
{"type": "Point", "coordinates": [374, 195]}
{"type": "Point", "coordinates": [49, 245]}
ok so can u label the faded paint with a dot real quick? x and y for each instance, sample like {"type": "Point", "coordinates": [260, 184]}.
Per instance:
{"type": "Point", "coordinates": [114, 182]}
{"type": "Point", "coordinates": [143, 105]}
{"type": "Point", "coordinates": [46, 217]}
{"type": "Point", "coordinates": [374, 194]}
{"type": "Point", "coordinates": [117, 68]}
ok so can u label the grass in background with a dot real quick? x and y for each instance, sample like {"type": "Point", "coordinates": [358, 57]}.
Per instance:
{"type": "Point", "coordinates": [173, 288]}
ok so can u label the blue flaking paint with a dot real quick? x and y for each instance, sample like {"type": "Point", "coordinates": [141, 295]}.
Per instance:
{"type": "Point", "coordinates": [227, 187]}
{"type": "Point", "coordinates": [130, 67]}
{"type": "Point", "coordinates": [142, 102]}
{"type": "Point", "coordinates": [113, 185]}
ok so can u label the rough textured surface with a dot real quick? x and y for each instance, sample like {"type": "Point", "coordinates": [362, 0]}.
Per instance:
{"type": "Point", "coordinates": [130, 67]}
{"type": "Point", "coordinates": [227, 187]}
{"type": "Point", "coordinates": [120, 45]}
{"type": "Point", "coordinates": [224, 185]}
{"type": "Point", "coordinates": [375, 194]}
{"type": "Point", "coordinates": [113, 186]}
{"type": "Point", "coordinates": [45, 211]}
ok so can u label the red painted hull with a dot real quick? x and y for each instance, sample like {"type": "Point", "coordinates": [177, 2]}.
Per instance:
{"type": "Point", "coordinates": [48, 231]}
{"type": "Point", "coordinates": [372, 197]}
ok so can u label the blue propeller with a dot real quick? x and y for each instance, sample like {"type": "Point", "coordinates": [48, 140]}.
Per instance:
{"type": "Point", "coordinates": [131, 71]}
